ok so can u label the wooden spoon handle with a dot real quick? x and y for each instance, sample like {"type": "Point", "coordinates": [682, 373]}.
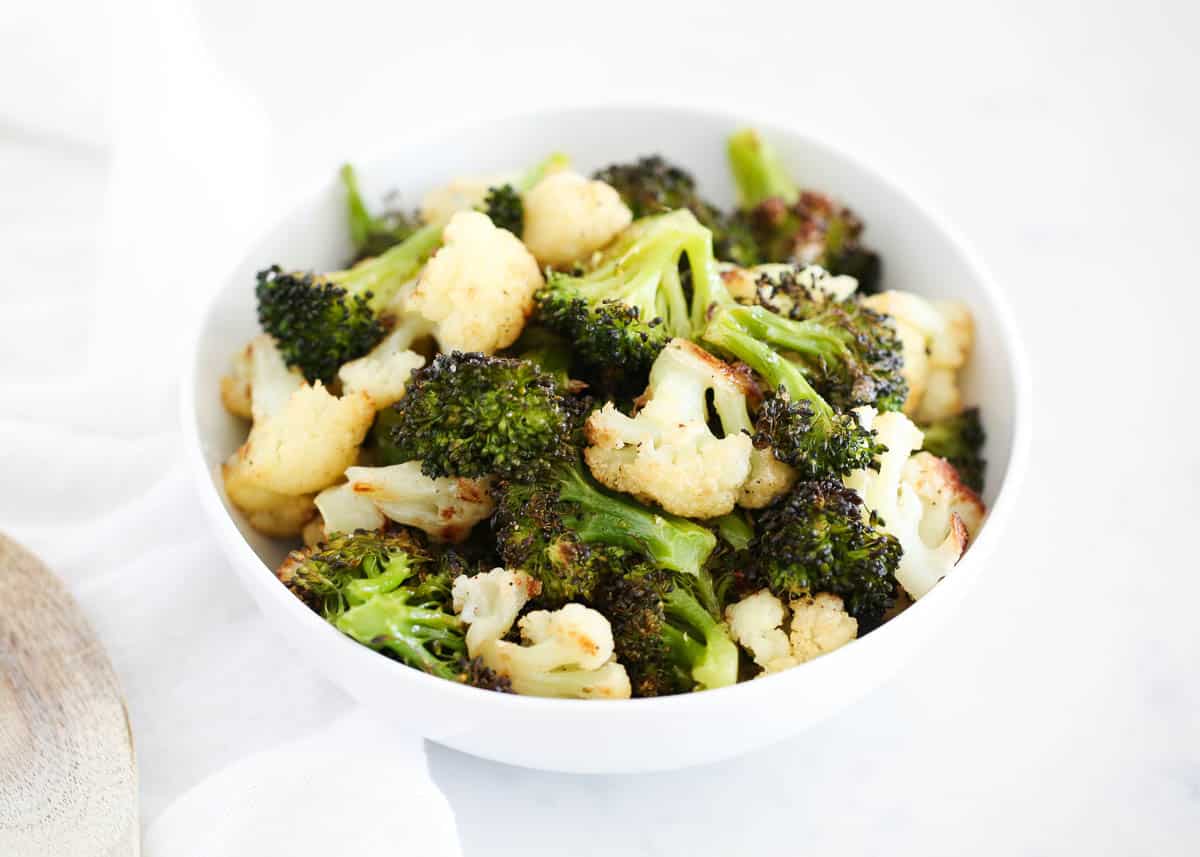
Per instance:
{"type": "Point", "coordinates": [68, 777]}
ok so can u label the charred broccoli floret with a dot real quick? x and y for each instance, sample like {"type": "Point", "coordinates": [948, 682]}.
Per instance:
{"type": "Point", "coordinates": [536, 516]}
{"type": "Point", "coordinates": [663, 633]}
{"type": "Point", "coordinates": [852, 354]}
{"type": "Point", "coordinates": [819, 538]}
{"type": "Point", "coordinates": [959, 440]}
{"type": "Point", "coordinates": [800, 427]}
{"type": "Point", "coordinates": [385, 590]}
{"type": "Point", "coordinates": [632, 301]}
{"type": "Point", "coordinates": [323, 320]}
{"type": "Point", "coordinates": [473, 415]}
{"type": "Point", "coordinates": [793, 225]}
{"type": "Point", "coordinates": [504, 206]}
{"type": "Point", "coordinates": [373, 234]}
{"type": "Point", "coordinates": [651, 185]}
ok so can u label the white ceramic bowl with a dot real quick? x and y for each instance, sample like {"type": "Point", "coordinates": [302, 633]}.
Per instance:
{"type": "Point", "coordinates": [920, 254]}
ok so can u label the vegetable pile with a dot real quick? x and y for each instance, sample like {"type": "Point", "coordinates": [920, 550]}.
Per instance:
{"type": "Point", "coordinates": [600, 438]}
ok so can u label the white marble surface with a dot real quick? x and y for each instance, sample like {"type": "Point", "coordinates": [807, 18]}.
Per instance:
{"type": "Point", "coordinates": [1059, 714]}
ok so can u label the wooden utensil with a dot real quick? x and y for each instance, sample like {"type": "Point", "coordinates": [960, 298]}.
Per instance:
{"type": "Point", "coordinates": [68, 778]}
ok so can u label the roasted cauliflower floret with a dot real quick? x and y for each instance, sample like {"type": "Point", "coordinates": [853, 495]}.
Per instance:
{"type": "Point", "coordinates": [937, 336]}
{"type": "Point", "coordinates": [817, 624]}
{"type": "Point", "coordinates": [271, 513]}
{"type": "Point", "coordinates": [918, 503]}
{"type": "Point", "coordinates": [667, 454]}
{"type": "Point", "coordinates": [261, 382]}
{"type": "Point", "coordinates": [383, 374]}
{"type": "Point", "coordinates": [344, 511]}
{"type": "Point", "coordinates": [943, 496]}
{"type": "Point", "coordinates": [301, 440]}
{"type": "Point", "coordinates": [489, 603]}
{"type": "Point", "coordinates": [756, 622]}
{"type": "Point", "coordinates": [820, 624]}
{"type": "Point", "coordinates": [445, 508]}
{"type": "Point", "coordinates": [563, 653]}
{"type": "Point", "coordinates": [568, 217]}
{"type": "Point", "coordinates": [477, 290]}
{"type": "Point", "coordinates": [308, 443]}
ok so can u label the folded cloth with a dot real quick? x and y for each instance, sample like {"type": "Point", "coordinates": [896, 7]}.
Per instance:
{"type": "Point", "coordinates": [354, 788]}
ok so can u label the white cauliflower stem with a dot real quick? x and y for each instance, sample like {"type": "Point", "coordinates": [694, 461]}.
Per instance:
{"type": "Point", "coordinates": [477, 290]}
{"type": "Point", "coordinates": [667, 454]}
{"type": "Point", "coordinates": [818, 624]}
{"type": "Point", "coordinates": [920, 502]}
{"type": "Point", "coordinates": [444, 508]}
{"type": "Point", "coordinates": [568, 217]}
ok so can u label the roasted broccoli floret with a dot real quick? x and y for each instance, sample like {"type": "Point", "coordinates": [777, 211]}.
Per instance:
{"type": "Point", "coordinates": [323, 320]}
{"type": "Point", "coordinates": [663, 633]}
{"type": "Point", "coordinates": [385, 590]}
{"type": "Point", "coordinates": [373, 234]}
{"type": "Point", "coordinates": [852, 353]}
{"type": "Point", "coordinates": [793, 225]}
{"type": "Point", "coordinates": [820, 538]}
{"type": "Point", "coordinates": [800, 427]}
{"type": "Point", "coordinates": [651, 185]}
{"type": "Point", "coordinates": [504, 206]}
{"type": "Point", "coordinates": [631, 301]}
{"type": "Point", "coordinates": [473, 415]}
{"type": "Point", "coordinates": [546, 518]}
{"type": "Point", "coordinates": [532, 536]}
{"type": "Point", "coordinates": [959, 440]}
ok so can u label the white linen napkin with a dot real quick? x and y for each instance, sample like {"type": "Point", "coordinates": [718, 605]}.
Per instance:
{"type": "Point", "coordinates": [352, 789]}
{"type": "Point", "coordinates": [90, 454]}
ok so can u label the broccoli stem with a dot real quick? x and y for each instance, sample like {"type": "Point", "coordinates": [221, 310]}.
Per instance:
{"type": "Point", "coordinates": [728, 333]}
{"type": "Point", "coordinates": [757, 172]}
{"type": "Point", "coordinates": [529, 178]}
{"type": "Point", "coordinates": [698, 643]}
{"type": "Point", "coordinates": [809, 338]}
{"type": "Point", "coordinates": [734, 529]}
{"type": "Point", "coordinates": [672, 542]}
{"type": "Point", "coordinates": [380, 278]}
{"type": "Point", "coordinates": [357, 214]}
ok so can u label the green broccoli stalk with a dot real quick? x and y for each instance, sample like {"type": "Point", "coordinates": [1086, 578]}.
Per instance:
{"type": "Point", "coordinates": [320, 321]}
{"type": "Point", "coordinates": [800, 426]}
{"type": "Point", "coordinates": [668, 641]}
{"type": "Point", "coordinates": [384, 590]}
{"type": "Point", "coordinates": [373, 234]}
{"type": "Point", "coordinates": [651, 186]}
{"type": "Point", "coordinates": [851, 353]}
{"type": "Point", "coordinates": [547, 350]}
{"type": "Point", "coordinates": [959, 440]}
{"type": "Point", "coordinates": [757, 171]}
{"type": "Point", "coordinates": [791, 225]}
{"type": "Point", "coordinates": [472, 415]}
{"type": "Point", "coordinates": [632, 300]}
{"type": "Point", "coordinates": [568, 504]}
{"type": "Point", "coordinates": [819, 538]}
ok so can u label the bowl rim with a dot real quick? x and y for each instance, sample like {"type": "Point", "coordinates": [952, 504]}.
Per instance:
{"type": "Point", "coordinates": [239, 552]}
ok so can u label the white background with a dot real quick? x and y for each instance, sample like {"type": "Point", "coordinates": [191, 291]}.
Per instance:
{"type": "Point", "coordinates": [1059, 714]}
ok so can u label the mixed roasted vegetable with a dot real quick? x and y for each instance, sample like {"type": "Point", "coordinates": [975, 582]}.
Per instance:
{"type": "Point", "coordinates": [600, 438]}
